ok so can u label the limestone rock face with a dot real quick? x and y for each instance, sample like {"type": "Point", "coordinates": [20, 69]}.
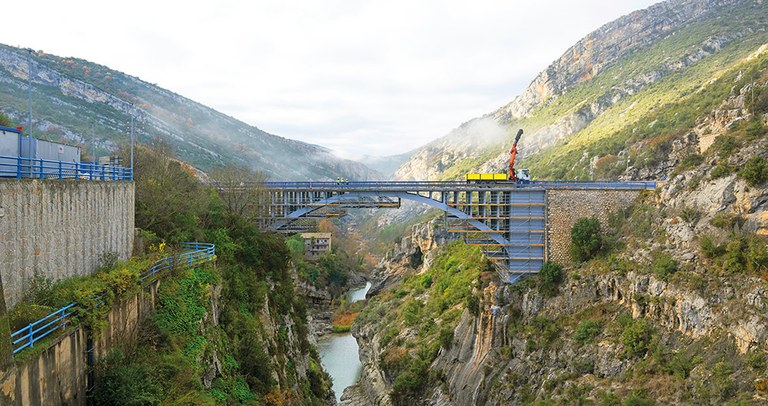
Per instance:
{"type": "Point", "coordinates": [481, 144]}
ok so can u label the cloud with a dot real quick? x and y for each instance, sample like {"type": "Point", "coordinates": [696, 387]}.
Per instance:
{"type": "Point", "coordinates": [363, 77]}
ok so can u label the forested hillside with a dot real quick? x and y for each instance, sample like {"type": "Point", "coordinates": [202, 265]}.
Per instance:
{"type": "Point", "coordinates": [82, 103]}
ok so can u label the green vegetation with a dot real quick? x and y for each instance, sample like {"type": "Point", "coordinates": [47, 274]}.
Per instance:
{"type": "Point", "coordinates": [550, 276]}
{"type": "Point", "coordinates": [755, 171]}
{"type": "Point", "coordinates": [641, 124]}
{"type": "Point", "coordinates": [112, 281]}
{"type": "Point", "coordinates": [719, 171]}
{"type": "Point", "coordinates": [664, 266]}
{"type": "Point", "coordinates": [636, 337]}
{"type": "Point", "coordinates": [586, 239]}
{"type": "Point", "coordinates": [587, 331]}
{"type": "Point", "coordinates": [741, 254]}
{"type": "Point", "coordinates": [253, 289]}
{"type": "Point", "coordinates": [428, 304]}
{"type": "Point", "coordinates": [5, 121]}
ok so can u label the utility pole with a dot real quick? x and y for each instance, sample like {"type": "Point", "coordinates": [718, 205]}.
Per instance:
{"type": "Point", "coordinates": [29, 113]}
{"type": "Point", "coordinates": [29, 96]}
{"type": "Point", "coordinates": [133, 137]}
{"type": "Point", "coordinates": [93, 141]}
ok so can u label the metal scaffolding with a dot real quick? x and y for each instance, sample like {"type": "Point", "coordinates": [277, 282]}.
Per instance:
{"type": "Point", "coordinates": [507, 220]}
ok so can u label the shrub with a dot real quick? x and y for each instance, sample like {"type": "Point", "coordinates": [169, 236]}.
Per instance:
{"type": "Point", "coordinates": [664, 266]}
{"type": "Point", "coordinates": [446, 337]}
{"type": "Point", "coordinates": [550, 277]}
{"type": "Point", "coordinates": [544, 328]}
{"type": "Point", "coordinates": [725, 221]}
{"type": "Point", "coordinates": [734, 255]}
{"type": "Point", "coordinates": [412, 312]}
{"type": "Point", "coordinates": [25, 313]}
{"type": "Point", "coordinates": [123, 383]}
{"type": "Point", "coordinates": [39, 290]}
{"type": "Point", "coordinates": [690, 161]}
{"type": "Point", "coordinates": [758, 104]}
{"type": "Point", "coordinates": [755, 128]}
{"type": "Point", "coordinates": [689, 215]}
{"type": "Point", "coordinates": [587, 331]}
{"type": "Point", "coordinates": [638, 398]}
{"type": "Point", "coordinates": [724, 145]}
{"type": "Point", "coordinates": [586, 239]}
{"type": "Point", "coordinates": [756, 360]}
{"type": "Point", "coordinates": [409, 384]}
{"type": "Point", "coordinates": [755, 171]}
{"type": "Point", "coordinates": [473, 304]}
{"type": "Point", "coordinates": [720, 170]}
{"type": "Point", "coordinates": [636, 337]}
{"type": "Point", "coordinates": [709, 248]}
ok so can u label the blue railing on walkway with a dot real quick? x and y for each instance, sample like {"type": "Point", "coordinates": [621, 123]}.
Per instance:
{"type": "Point", "coordinates": [21, 167]}
{"type": "Point", "coordinates": [199, 252]}
{"type": "Point", "coordinates": [26, 337]}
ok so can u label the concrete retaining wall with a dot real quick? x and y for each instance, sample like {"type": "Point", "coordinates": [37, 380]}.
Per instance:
{"type": "Point", "coordinates": [58, 375]}
{"type": "Point", "coordinates": [60, 229]}
{"type": "Point", "coordinates": [564, 207]}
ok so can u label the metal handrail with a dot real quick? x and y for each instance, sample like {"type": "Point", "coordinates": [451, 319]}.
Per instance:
{"type": "Point", "coordinates": [26, 337]}
{"type": "Point", "coordinates": [21, 167]}
{"type": "Point", "coordinates": [425, 185]}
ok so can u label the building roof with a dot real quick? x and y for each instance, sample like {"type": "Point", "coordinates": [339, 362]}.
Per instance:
{"type": "Point", "coordinates": [316, 235]}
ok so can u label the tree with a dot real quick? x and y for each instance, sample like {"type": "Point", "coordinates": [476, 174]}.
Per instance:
{"type": "Point", "coordinates": [550, 275]}
{"type": "Point", "coordinates": [241, 189]}
{"type": "Point", "coordinates": [170, 201]}
{"type": "Point", "coordinates": [586, 239]}
{"type": "Point", "coordinates": [5, 121]}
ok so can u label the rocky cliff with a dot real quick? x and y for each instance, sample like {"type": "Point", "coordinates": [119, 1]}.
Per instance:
{"type": "Point", "coordinates": [702, 332]}
{"type": "Point", "coordinates": [602, 86]}
{"type": "Point", "coordinates": [673, 310]}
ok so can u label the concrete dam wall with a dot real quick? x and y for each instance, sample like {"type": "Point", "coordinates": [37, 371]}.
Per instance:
{"type": "Point", "coordinates": [60, 229]}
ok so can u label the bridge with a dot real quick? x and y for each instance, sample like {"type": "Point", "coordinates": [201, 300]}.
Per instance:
{"type": "Point", "coordinates": [508, 221]}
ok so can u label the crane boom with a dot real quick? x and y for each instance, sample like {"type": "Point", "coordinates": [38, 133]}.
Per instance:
{"type": "Point", "coordinates": [513, 155]}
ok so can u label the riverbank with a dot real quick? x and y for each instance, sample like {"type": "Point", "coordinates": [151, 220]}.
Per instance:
{"type": "Point", "coordinates": [339, 353]}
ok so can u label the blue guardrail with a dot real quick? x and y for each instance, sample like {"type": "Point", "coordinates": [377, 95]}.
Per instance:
{"type": "Point", "coordinates": [21, 167]}
{"type": "Point", "coordinates": [25, 337]}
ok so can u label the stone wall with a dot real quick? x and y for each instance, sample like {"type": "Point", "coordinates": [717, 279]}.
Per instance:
{"type": "Point", "coordinates": [564, 207]}
{"type": "Point", "coordinates": [60, 229]}
{"type": "Point", "coordinates": [59, 374]}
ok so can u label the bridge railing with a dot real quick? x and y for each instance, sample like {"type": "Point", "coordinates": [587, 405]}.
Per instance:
{"type": "Point", "coordinates": [27, 336]}
{"type": "Point", "coordinates": [426, 185]}
{"type": "Point", "coordinates": [21, 167]}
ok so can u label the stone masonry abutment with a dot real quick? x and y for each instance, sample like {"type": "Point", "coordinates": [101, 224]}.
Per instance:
{"type": "Point", "coordinates": [565, 206]}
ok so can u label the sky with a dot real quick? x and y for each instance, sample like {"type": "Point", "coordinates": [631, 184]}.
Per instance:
{"type": "Point", "coordinates": [361, 77]}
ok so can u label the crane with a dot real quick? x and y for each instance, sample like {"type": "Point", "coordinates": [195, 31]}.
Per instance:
{"type": "Point", "coordinates": [520, 175]}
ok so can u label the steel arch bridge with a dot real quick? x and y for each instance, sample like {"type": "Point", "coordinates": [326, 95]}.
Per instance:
{"type": "Point", "coordinates": [508, 221]}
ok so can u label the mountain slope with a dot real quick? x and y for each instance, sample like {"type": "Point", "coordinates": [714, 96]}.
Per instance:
{"type": "Point", "coordinates": [73, 99]}
{"type": "Point", "coordinates": [583, 105]}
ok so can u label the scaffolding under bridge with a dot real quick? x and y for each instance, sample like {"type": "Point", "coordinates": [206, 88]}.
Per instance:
{"type": "Point", "coordinates": [507, 220]}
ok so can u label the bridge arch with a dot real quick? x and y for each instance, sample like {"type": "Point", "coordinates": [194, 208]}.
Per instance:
{"type": "Point", "coordinates": [353, 196]}
{"type": "Point", "coordinates": [507, 222]}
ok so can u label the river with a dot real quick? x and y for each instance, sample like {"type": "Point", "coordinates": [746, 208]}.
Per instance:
{"type": "Point", "coordinates": [339, 352]}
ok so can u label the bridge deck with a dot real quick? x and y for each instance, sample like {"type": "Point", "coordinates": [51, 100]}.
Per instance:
{"type": "Point", "coordinates": [439, 186]}
{"type": "Point", "coordinates": [507, 220]}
